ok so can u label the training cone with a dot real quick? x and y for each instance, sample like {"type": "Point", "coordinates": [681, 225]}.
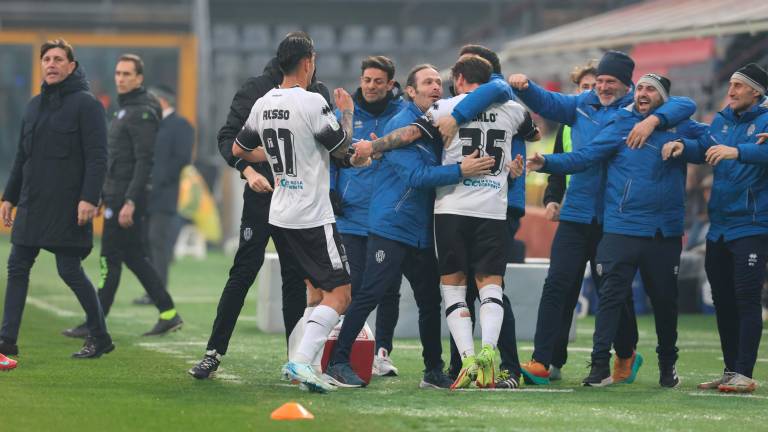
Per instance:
{"type": "Point", "coordinates": [291, 411]}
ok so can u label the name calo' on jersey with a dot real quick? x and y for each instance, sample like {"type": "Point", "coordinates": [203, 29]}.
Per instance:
{"type": "Point", "coordinates": [490, 133]}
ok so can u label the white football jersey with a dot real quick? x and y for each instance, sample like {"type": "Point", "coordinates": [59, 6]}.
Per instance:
{"type": "Point", "coordinates": [298, 130]}
{"type": "Point", "coordinates": [490, 132]}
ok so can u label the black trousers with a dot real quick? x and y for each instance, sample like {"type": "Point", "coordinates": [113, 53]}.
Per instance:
{"type": "Point", "coordinates": [507, 337]}
{"type": "Point", "coordinates": [388, 310]}
{"type": "Point", "coordinates": [68, 264]}
{"type": "Point", "coordinates": [618, 259]}
{"type": "Point", "coordinates": [163, 232]}
{"type": "Point", "coordinates": [255, 233]}
{"type": "Point", "coordinates": [130, 246]}
{"type": "Point", "coordinates": [736, 270]}
{"type": "Point", "coordinates": [574, 245]}
{"type": "Point", "coordinates": [386, 263]}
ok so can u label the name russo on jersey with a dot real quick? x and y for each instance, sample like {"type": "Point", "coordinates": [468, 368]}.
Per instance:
{"type": "Point", "coordinates": [276, 114]}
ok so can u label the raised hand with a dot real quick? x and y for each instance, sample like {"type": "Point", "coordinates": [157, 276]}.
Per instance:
{"type": "Point", "coordinates": [518, 81]}
{"type": "Point", "coordinates": [343, 100]}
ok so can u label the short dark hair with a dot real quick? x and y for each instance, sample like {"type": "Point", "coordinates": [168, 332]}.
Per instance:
{"type": "Point", "coordinates": [58, 43]}
{"type": "Point", "coordinates": [381, 63]}
{"type": "Point", "coordinates": [295, 47]}
{"type": "Point", "coordinates": [475, 70]}
{"type": "Point", "coordinates": [138, 63]}
{"type": "Point", "coordinates": [485, 53]}
{"type": "Point", "coordinates": [411, 80]}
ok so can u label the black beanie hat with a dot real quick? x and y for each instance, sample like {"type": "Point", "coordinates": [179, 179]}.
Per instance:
{"type": "Point", "coordinates": [753, 76]}
{"type": "Point", "coordinates": [660, 83]}
{"type": "Point", "coordinates": [617, 64]}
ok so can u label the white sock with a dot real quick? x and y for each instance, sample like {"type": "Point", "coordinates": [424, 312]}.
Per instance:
{"type": "Point", "coordinates": [316, 331]}
{"type": "Point", "coordinates": [298, 332]}
{"type": "Point", "coordinates": [458, 318]}
{"type": "Point", "coordinates": [491, 313]}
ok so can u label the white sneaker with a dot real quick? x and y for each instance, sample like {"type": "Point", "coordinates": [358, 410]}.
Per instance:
{"type": "Point", "coordinates": [307, 378]}
{"type": "Point", "coordinates": [738, 384]}
{"type": "Point", "coordinates": [382, 364]}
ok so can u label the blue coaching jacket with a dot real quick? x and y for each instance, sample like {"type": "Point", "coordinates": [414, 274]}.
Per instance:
{"type": "Point", "coordinates": [355, 185]}
{"type": "Point", "coordinates": [403, 187]}
{"type": "Point", "coordinates": [585, 115]}
{"type": "Point", "coordinates": [738, 206]}
{"type": "Point", "coordinates": [497, 91]}
{"type": "Point", "coordinates": [643, 193]}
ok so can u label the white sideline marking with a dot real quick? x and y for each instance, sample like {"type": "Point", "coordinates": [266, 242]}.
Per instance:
{"type": "Point", "coordinates": [40, 304]}
{"type": "Point", "coordinates": [736, 395]}
{"type": "Point", "coordinates": [528, 390]}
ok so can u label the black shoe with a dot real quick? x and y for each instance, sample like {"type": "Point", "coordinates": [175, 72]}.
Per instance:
{"type": "Point", "coordinates": [599, 374]}
{"type": "Point", "coordinates": [165, 326]}
{"type": "Point", "coordinates": [342, 375]}
{"type": "Point", "coordinates": [668, 376]}
{"type": "Point", "coordinates": [144, 300]}
{"type": "Point", "coordinates": [207, 366]}
{"type": "Point", "coordinates": [9, 349]}
{"type": "Point", "coordinates": [436, 379]}
{"type": "Point", "coordinates": [95, 347]}
{"type": "Point", "coordinates": [506, 381]}
{"type": "Point", "coordinates": [79, 332]}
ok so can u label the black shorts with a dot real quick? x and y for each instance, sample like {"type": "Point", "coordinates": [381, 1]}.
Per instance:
{"type": "Point", "coordinates": [466, 243]}
{"type": "Point", "coordinates": [320, 254]}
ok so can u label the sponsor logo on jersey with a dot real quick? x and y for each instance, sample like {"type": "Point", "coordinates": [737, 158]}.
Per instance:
{"type": "Point", "coordinates": [358, 124]}
{"type": "Point", "coordinates": [380, 256]}
{"type": "Point", "coordinates": [121, 114]}
{"type": "Point", "coordinates": [291, 184]}
{"type": "Point", "coordinates": [676, 270]}
{"type": "Point", "coordinates": [481, 183]}
{"type": "Point", "coordinates": [247, 233]}
{"type": "Point", "coordinates": [751, 130]}
{"type": "Point", "coordinates": [108, 213]}
{"type": "Point", "coordinates": [752, 260]}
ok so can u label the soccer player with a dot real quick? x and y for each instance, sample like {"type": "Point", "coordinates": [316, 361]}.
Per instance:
{"type": "Point", "coordinates": [737, 242]}
{"type": "Point", "coordinates": [400, 231]}
{"type": "Point", "coordinates": [295, 131]}
{"type": "Point", "coordinates": [255, 231]}
{"type": "Point", "coordinates": [643, 228]}
{"type": "Point", "coordinates": [470, 227]}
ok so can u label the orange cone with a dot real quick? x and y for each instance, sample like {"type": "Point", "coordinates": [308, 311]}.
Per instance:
{"type": "Point", "coordinates": [291, 411]}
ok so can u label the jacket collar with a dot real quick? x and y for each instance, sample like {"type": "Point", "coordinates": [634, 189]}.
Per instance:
{"type": "Point", "coordinates": [759, 109]}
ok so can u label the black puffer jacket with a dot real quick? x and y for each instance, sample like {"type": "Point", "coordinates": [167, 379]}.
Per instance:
{"type": "Point", "coordinates": [131, 147]}
{"type": "Point", "coordinates": [61, 160]}
{"type": "Point", "coordinates": [253, 89]}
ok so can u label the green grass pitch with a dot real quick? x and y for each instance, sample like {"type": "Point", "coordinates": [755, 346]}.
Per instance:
{"type": "Point", "coordinates": [143, 384]}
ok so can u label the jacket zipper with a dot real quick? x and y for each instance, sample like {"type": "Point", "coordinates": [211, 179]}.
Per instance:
{"type": "Point", "coordinates": [402, 199]}
{"type": "Point", "coordinates": [624, 197]}
{"type": "Point", "coordinates": [751, 196]}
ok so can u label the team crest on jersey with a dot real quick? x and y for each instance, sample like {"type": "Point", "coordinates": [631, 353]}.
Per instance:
{"type": "Point", "coordinates": [751, 130]}
{"type": "Point", "coordinates": [247, 233]}
{"type": "Point", "coordinates": [121, 114]}
{"type": "Point", "coordinates": [358, 124]}
{"type": "Point", "coordinates": [725, 129]}
{"type": "Point", "coordinates": [676, 270]}
{"type": "Point", "coordinates": [599, 269]}
{"type": "Point", "coordinates": [380, 255]}
{"type": "Point", "coordinates": [108, 213]}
